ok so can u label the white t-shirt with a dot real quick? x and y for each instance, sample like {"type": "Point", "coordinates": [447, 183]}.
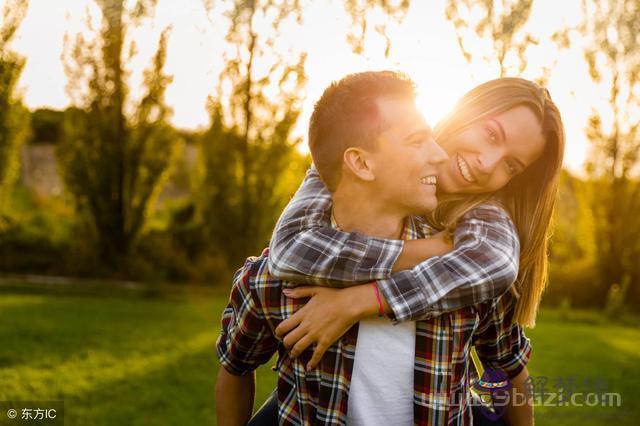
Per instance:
{"type": "Point", "coordinates": [381, 391]}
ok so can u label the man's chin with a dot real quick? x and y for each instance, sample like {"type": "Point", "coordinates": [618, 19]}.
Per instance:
{"type": "Point", "coordinates": [429, 207]}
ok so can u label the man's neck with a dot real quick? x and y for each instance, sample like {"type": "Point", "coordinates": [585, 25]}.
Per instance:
{"type": "Point", "coordinates": [355, 210]}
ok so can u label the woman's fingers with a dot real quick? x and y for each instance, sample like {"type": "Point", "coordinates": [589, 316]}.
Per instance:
{"type": "Point", "coordinates": [293, 337]}
{"type": "Point", "coordinates": [300, 292]}
{"type": "Point", "coordinates": [301, 345]}
{"type": "Point", "coordinates": [289, 324]}
{"type": "Point", "coordinates": [319, 351]}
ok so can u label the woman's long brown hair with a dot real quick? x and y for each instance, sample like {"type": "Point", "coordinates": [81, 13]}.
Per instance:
{"type": "Point", "coordinates": [529, 197]}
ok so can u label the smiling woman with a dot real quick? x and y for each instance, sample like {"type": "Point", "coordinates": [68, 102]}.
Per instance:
{"type": "Point", "coordinates": [486, 155]}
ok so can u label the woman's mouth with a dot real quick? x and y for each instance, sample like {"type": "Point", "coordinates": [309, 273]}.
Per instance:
{"type": "Point", "coordinates": [464, 170]}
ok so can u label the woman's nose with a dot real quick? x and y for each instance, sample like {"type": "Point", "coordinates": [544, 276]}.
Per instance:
{"type": "Point", "coordinates": [488, 161]}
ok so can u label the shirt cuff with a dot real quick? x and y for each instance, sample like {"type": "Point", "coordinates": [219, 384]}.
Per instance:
{"type": "Point", "coordinates": [400, 300]}
{"type": "Point", "coordinates": [516, 363]}
{"type": "Point", "coordinates": [379, 259]}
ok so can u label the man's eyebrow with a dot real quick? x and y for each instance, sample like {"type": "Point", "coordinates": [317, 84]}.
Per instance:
{"type": "Point", "coordinates": [425, 132]}
{"type": "Point", "coordinates": [500, 128]}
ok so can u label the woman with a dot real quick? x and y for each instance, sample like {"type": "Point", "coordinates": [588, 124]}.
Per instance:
{"type": "Point", "coordinates": [497, 177]}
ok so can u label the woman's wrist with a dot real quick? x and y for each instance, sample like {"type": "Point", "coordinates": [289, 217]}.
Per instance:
{"type": "Point", "coordinates": [362, 302]}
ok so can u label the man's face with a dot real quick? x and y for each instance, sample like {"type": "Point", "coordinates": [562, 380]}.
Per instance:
{"type": "Point", "coordinates": [406, 161]}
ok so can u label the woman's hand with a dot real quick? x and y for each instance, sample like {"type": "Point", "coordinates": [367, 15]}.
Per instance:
{"type": "Point", "coordinates": [327, 315]}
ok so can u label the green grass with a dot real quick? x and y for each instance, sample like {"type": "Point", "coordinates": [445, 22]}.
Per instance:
{"type": "Point", "coordinates": [140, 357]}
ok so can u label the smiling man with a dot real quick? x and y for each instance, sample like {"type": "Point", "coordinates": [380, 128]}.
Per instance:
{"type": "Point", "coordinates": [376, 153]}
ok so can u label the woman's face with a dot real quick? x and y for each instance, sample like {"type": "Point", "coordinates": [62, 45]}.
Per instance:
{"type": "Point", "coordinates": [485, 156]}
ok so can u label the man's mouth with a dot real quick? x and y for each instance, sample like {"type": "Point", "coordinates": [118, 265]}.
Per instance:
{"type": "Point", "coordinates": [464, 170]}
{"type": "Point", "coordinates": [429, 180]}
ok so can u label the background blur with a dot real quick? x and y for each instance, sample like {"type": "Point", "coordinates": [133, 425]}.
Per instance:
{"type": "Point", "coordinates": [147, 147]}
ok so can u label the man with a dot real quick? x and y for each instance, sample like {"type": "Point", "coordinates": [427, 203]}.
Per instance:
{"type": "Point", "coordinates": [376, 154]}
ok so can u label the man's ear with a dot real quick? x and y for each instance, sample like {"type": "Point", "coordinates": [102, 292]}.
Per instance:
{"type": "Point", "coordinates": [359, 162]}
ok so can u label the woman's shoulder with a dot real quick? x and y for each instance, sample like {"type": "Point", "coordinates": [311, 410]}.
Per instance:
{"type": "Point", "coordinates": [488, 211]}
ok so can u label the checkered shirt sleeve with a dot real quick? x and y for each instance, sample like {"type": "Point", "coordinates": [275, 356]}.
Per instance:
{"type": "Point", "coordinates": [483, 265]}
{"type": "Point", "coordinates": [246, 341]}
{"type": "Point", "coordinates": [499, 341]}
{"type": "Point", "coordinates": [305, 249]}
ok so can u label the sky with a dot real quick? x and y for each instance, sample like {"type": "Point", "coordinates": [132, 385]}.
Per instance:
{"type": "Point", "coordinates": [424, 46]}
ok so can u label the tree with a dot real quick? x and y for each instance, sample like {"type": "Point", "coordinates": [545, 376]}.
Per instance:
{"type": "Point", "coordinates": [248, 164]}
{"type": "Point", "coordinates": [46, 126]}
{"type": "Point", "coordinates": [573, 245]}
{"type": "Point", "coordinates": [14, 119]}
{"type": "Point", "coordinates": [117, 152]}
{"type": "Point", "coordinates": [359, 10]}
{"type": "Point", "coordinates": [248, 151]}
{"type": "Point", "coordinates": [612, 33]}
{"type": "Point", "coordinates": [498, 22]}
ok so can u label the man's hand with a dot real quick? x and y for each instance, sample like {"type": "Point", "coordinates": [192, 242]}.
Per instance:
{"type": "Point", "coordinates": [234, 398]}
{"type": "Point", "coordinates": [327, 315]}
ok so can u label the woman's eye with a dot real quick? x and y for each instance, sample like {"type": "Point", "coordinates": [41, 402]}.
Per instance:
{"type": "Point", "coordinates": [491, 134]}
{"type": "Point", "coordinates": [513, 169]}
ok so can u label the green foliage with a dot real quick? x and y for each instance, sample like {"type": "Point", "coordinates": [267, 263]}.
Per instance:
{"type": "Point", "coordinates": [247, 153]}
{"type": "Point", "coordinates": [612, 51]}
{"type": "Point", "coordinates": [113, 161]}
{"type": "Point", "coordinates": [573, 246]}
{"type": "Point", "coordinates": [36, 234]}
{"type": "Point", "coordinates": [499, 21]}
{"type": "Point", "coordinates": [47, 126]}
{"type": "Point", "coordinates": [14, 119]}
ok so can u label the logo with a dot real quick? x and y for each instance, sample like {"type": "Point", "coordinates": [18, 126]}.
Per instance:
{"type": "Point", "coordinates": [494, 389]}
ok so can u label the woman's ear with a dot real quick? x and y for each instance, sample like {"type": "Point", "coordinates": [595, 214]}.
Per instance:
{"type": "Point", "coordinates": [360, 163]}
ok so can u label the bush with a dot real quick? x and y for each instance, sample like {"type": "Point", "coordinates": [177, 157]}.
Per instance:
{"type": "Point", "coordinates": [574, 283]}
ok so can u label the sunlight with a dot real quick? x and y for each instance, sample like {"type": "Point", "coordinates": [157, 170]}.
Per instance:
{"type": "Point", "coordinates": [424, 46]}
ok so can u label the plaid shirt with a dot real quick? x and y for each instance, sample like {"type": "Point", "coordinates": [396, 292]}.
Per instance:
{"type": "Point", "coordinates": [484, 264]}
{"type": "Point", "coordinates": [442, 360]}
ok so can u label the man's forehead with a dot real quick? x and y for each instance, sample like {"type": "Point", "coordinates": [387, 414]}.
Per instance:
{"type": "Point", "coordinates": [400, 112]}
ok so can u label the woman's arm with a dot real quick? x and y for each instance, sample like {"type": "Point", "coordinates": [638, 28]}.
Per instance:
{"type": "Point", "coordinates": [305, 249]}
{"type": "Point", "coordinates": [483, 266]}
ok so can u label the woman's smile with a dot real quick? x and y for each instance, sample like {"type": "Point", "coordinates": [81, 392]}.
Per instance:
{"type": "Point", "coordinates": [464, 170]}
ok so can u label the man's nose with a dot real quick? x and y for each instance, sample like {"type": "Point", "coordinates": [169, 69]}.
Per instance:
{"type": "Point", "coordinates": [435, 153]}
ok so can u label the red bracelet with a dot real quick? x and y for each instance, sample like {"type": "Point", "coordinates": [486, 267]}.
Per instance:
{"type": "Point", "coordinates": [380, 308]}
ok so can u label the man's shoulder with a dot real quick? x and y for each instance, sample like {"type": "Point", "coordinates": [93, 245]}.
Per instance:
{"type": "Point", "coordinates": [255, 277]}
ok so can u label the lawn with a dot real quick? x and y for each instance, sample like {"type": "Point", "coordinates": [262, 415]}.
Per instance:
{"type": "Point", "coordinates": [147, 357]}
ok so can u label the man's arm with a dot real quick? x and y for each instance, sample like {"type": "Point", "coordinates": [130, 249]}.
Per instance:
{"type": "Point", "coordinates": [234, 398]}
{"type": "Point", "coordinates": [246, 341]}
